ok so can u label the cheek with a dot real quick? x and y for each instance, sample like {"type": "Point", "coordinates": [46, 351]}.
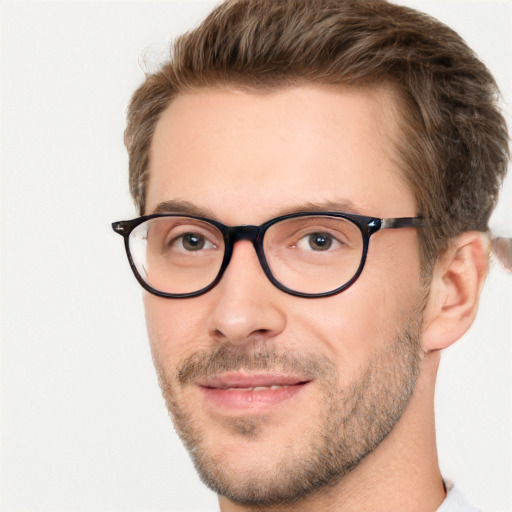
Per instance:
{"type": "Point", "coordinates": [351, 327]}
{"type": "Point", "coordinates": [175, 327]}
{"type": "Point", "coordinates": [347, 329]}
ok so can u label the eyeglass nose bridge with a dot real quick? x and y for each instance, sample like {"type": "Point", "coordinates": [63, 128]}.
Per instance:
{"type": "Point", "coordinates": [238, 233]}
{"type": "Point", "coordinates": [253, 234]}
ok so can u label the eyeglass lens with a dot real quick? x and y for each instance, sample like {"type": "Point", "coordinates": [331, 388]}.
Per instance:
{"type": "Point", "coordinates": [307, 254]}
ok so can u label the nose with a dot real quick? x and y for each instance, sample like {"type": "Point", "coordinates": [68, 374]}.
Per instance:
{"type": "Point", "coordinates": [247, 306]}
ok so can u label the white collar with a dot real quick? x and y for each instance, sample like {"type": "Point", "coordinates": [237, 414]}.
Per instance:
{"type": "Point", "coordinates": [455, 501]}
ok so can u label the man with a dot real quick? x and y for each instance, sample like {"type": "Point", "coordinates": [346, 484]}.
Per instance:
{"type": "Point", "coordinates": [314, 180]}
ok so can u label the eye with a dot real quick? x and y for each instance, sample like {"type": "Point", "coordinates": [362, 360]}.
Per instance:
{"type": "Point", "coordinates": [191, 242]}
{"type": "Point", "coordinates": [319, 241]}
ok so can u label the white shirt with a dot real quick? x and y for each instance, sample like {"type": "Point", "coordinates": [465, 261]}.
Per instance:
{"type": "Point", "coordinates": [455, 501]}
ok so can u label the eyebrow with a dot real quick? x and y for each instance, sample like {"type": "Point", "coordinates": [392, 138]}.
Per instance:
{"type": "Point", "coordinates": [185, 207]}
{"type": "Point", "coordinates": [339, 205]}
{"type": "Point", "coordinates": [188, 208]}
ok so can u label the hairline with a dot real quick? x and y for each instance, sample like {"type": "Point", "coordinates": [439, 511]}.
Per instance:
{"type": "Point", "coordinates": [380, 86]}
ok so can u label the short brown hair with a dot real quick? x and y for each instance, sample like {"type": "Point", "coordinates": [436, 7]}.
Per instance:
{"type": "Point", "coordinates": [454, 147]}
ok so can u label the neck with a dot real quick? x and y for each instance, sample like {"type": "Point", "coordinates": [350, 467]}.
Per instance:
{"type": "Point", "coordinates": [401, 475]}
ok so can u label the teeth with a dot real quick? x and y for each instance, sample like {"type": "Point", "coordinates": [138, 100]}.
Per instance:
{"type": "Point", "coordinates": [259, 388]}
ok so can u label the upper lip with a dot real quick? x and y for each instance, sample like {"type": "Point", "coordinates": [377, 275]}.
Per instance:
{"type": "Point", "coordinates": [250, 380]}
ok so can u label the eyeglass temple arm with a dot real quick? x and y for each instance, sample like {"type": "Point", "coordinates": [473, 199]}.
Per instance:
{"type": "Point", "coordinates": [124, 227]}
{"type": "Point", "coordinates": [118, 227]}
{"type": "Point", "coordinates": [403, 222]}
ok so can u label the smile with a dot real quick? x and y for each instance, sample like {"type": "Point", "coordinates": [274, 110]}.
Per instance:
{"type": "Point", "coordinates": [250, 393]}
{"type": "Point", "coordinates": [258, 388]}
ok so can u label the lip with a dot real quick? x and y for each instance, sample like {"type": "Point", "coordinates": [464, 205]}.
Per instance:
{"type": "Point", "coordinates": [256, 392]}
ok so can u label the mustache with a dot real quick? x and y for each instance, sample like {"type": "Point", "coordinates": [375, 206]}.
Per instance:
{"type": "Point", "coordinates": [226, 358]}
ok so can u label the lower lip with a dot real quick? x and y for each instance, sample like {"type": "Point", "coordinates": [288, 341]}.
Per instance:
{"type": "Point", "coordinates": [254, 400]}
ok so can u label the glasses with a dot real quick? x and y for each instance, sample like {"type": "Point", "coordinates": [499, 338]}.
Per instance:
{"type": "Point", "coordinates": [307, 254]}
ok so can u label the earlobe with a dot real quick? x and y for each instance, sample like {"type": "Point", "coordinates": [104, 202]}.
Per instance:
{"type": "Point", "coordinates": [456, 284]}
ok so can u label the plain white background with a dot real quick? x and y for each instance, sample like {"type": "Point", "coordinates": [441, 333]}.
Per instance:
{"type": "Point", "coordinates": [83, 427]}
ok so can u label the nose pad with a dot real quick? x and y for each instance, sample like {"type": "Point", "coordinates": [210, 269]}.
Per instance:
{"type": "Point", "coordinates": [247, 305]}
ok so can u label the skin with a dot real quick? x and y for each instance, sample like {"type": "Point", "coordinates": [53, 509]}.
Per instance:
{"type": "Point", "coordinates": [244, 158]}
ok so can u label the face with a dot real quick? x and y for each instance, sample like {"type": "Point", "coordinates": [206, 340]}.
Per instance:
{"type": "Point", "coordinates": [274, 395]}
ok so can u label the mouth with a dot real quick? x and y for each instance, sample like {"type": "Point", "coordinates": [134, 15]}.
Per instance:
{"type": "Point", "coordinates": [251, 392]}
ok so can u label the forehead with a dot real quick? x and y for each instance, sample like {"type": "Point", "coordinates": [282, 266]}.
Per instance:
{"type": "Point", "coordinates": [248, 156]}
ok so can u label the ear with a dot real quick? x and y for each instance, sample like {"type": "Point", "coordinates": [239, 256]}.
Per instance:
{"type": "Point", "coordinates": [457, 281]}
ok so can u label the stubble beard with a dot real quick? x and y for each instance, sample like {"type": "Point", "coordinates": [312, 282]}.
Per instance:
{"type": "Point", "coordinates": [351, 423]}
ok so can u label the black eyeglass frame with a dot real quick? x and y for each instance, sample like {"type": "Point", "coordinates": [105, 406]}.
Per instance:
{"type": "Point", "coordinates": [255, 234]}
